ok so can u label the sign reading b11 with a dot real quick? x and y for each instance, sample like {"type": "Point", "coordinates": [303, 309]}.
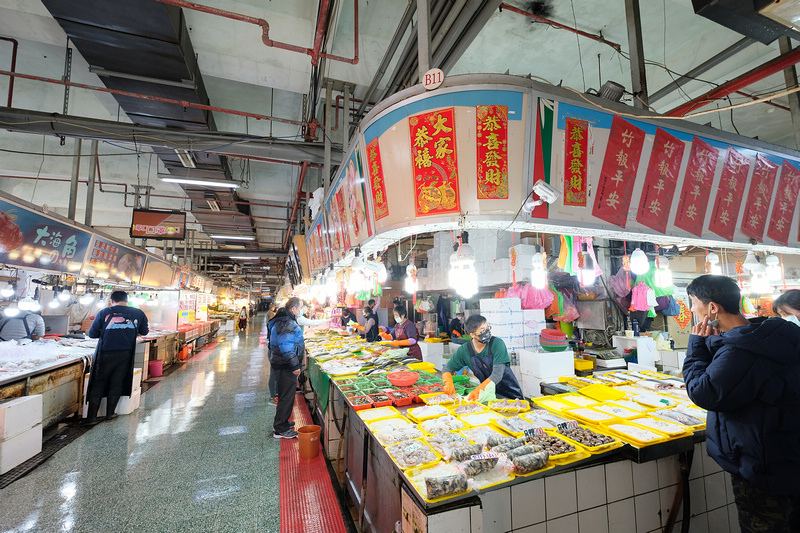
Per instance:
{"type": "Point", "coordinates": [432, 79]}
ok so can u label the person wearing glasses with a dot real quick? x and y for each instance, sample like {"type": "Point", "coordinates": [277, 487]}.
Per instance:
{"type": "Point", "coordinates": [487, 358]}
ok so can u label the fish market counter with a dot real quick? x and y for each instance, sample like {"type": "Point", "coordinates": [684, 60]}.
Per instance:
{"type": "Point", "coordinates": [631, 487]}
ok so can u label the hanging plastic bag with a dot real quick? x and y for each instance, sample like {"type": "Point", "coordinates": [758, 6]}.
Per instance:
{"type": "Point", "coordinates": [620, 283]}
{"type": "Point", "coordinates": [639, 297]}
{"type": "Point", "coordinates": [673, 309]}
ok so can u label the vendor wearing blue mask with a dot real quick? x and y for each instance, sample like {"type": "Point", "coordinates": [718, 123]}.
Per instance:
{"type": "Point", "coordinates": [488, 359]}
{"type": "Point", "coordinates": [787, 306]}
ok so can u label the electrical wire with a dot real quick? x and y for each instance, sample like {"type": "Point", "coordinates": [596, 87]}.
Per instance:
{"type": "Point", "coordinates": [497, 233]}
{"type": "Point", "coordinates": [578, 40]}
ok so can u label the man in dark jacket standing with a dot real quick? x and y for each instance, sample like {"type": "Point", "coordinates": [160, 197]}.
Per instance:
{"type": "Point", "coordinates": [747, 375]}
{"type": "Point", "coordinates": [286, 351]}
{"type": "Point", "coordinates": [112, 369]}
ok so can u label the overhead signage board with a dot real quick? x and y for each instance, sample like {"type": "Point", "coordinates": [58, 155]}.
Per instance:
{"type": "Point", "coordinates": [157, 274]}
{"type": "Point", "coordinates": [109, 260]}
{"type": "Point", "coordinates": [162, 225]}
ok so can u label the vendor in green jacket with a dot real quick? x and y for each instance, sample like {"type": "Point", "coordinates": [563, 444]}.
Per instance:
{"type": "Point", "coordinates": [488, 359]}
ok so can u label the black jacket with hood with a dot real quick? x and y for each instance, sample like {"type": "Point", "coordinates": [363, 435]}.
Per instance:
{"type": "Point", "coordinates": [748, 379]}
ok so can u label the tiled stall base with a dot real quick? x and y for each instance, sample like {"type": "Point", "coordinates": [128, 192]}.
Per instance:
{"type": "Point", "coordinates": [616, 497]}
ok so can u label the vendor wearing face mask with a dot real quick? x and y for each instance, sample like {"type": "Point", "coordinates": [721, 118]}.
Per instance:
{"type": "Point", "coordinates": [787, 306]}
{"type": "Point", "coordinates": [404, 333]}
{"type": "Point", "coordinates": [488, 359]}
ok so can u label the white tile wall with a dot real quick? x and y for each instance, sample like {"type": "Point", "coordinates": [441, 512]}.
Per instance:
{"type": "Point", "coordinates": [669, 471]}
{"type": "Point", "coordinates": [709, 465]}
{"type": "Point", "coordinates": [645, 477]}
{"type": "Point", "coordinates": [561, 495]}
{"type": "Point", "coordinates": [729, 497]}
{"type": "Point", "coordinates": [733, 519]}
{"type": "Point", "coordinates": [457, 521]}
{"type": "Point", "coordinates": [594, 520]}
{"type": "Point", "coordinates": [622, 517]}
{"type": "Point", "coordinates": [591, 487]}
{"type": "Point", "coordinates": [476, 517]}
{"type": "Point", "coordinates": [619, 480]}
{"type": "Point", "coordinates": [527, 503]}
{"type": "Point", "coordinates": [667, 496]}
{"type": "Point", "coordinates": [697, 462]}
{"type": "Point", "coordinates": [699, 524]}
{"type": "Point", "coordinates": [715, 491]}
{"type": "Point", "coordinates": [718, 520]}
{"type": "Point", "coordinates": [647, 511]}
{"type": "Point", "coordinates": [697, 495]}
{"type": "Point", "coordinates": [496, 510]}
{"type": "Point", "coordinates": [538, 528]}
{"type": "Point", "coordinates": [565, 524]}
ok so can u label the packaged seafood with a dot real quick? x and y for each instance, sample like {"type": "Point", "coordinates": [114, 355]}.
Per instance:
{"type": "Point", "coordinates": [636, 433]}
{"type": "Point", "coordinates": [468, 408]}
{"type": "Point", "coordinates": [480, 419]}
{"type": "Point", "coordinates": [551, 444]}
{"type": "Point", "coordinates": [514, 424]}
{"type": "Point", "coordinates": [492, 441]}
{"type": "Point", "coordinates": [510, 445]}
{"type": "Point", "coordinates": [523, 450]}
{"type": "Point", "coordinates": [655, 400]}
{"type": "Point", "coordinates": [474, 467]}
{"type": "Point", "coordinates": [428, 411]}
{"type": "Point", "coordinates": [465, 452]}
{"type": "Point", "coordinates": [411, 453]}
{"type": "Point", "coordinates": [481, 434]}
{"type": "Point", "coordinates": [439, 487]}
{"type": "Point", "coordinates": [514, 406]}
{"type": "Point", "coordinates": [445, 442]}
{"type": "Point", "coordinates": [439, 398]}
{"type": "Point", "coordinates": [443, 423]}
{"type": "Point", "coordinates": [543, 419]}
{"type": "Point", "coordinates": [617, 411]}
{"type": "Point", "coordinates": [670, 428]}
{"type": "Point", "coordinates": [525, 464]}
{"type": "Point", "coordinates": [388, 423]}
{"type": "Point", "coordinates": [676, 416]}
{"type": "Point", "coordinates": [591, 415]}
{"type": "Point", "coordinates": [628, 404]}
{"type": "Point", "coordinates": [586, 437]}
{"type": "Point", "coordinates": [692, 411]}
{"type": "Point", "coordinates": [393, 435]}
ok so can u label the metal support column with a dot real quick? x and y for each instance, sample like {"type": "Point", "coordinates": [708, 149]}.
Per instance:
{"type": "Point", "coordinates": [73, 186]}
{"type": "Point", "coordinates": [191, 253]}
{"type": "Point", "coordinates": [638, 74]}
{"type": "Point", "coordinates": [172, 253]}
{"type": "Point", "coordinates": [423, 37]}
{"type": "Point", "coordinates": [87, 219]}
{"type": "Point", "coordinates": [328, 121]}
{"type": "Point", "coordinates": [345, 127]}
{"type": "Point", "coordinates": [790, 76]}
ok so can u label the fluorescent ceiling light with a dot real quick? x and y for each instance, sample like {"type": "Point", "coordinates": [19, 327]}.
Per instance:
{"type": "Point", "coordinates": [213, 205]}
{"type": "Point", "coordinates": [200, 181]}
{"type": "Point", "coordinates": [254, 257]}
{"type": "Point", "coordinates": [234, 237]}
{"type": "Point", "coordinates": [185, 157]}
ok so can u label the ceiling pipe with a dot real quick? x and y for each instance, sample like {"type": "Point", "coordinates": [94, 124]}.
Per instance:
{"type": "Point", "coordinates": [182, 103]}
{"type": "Point", "coordinates": [341, 59]}
{"type": "Point", "coordinates": [757, 74]}
{"type": "Point", "coordinates": [296, 204]}
{"type": "Point", "coordinates": [754, 97]}
{"type": "Point", "coordinates": [14, 47]}
{"type": "Point", "coordinates": [598, 38]}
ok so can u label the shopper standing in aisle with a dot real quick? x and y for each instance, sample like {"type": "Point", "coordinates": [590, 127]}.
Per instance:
{"type": "Point", "coordinates": [787, 306]}
{"type": "Point", "coordinates": [404, 333]}
{"type": "Point", "coordinates": [286, 350]}
{"type": "Point", "coordinates": [747, 375]}
{"type": "Point", "coordinates": [111, 377]}
{"type": "Point", "coordinates": [243, 319]}
{"type": "Point", "coordinates": [26, 325]}
{"type": "Point", "coordinates": [487, 358]}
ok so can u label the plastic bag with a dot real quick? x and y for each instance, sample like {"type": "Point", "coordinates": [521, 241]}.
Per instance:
{"type": "Point", "coordinates": [673, 309]}
{"type": "Point", "coordinates": [488, 394]}
{"type": "Point", "coordinates": [620, 283]}
{"type": "Point", "coordinates": [639, 298]}
{"type": "Point", "coordinates": [533, 298]}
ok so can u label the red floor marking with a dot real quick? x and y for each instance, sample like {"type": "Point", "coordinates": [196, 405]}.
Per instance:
{"type": "Point", "coordinates": [308, 502]}
{"type": "Point", "coordinates": [203, 354]}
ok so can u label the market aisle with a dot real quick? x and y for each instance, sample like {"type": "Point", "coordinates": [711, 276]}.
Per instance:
{"type": "Point", "coordinates": [197, 456]}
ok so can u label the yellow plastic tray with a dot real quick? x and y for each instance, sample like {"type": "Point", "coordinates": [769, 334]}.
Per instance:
{"type": "Point", "coordinates": [412, 416]}
{"type": "Point", "coordinates": [422, 443]}
{"type": "Point", "coordinates": [453, 407]}
{"type": "Point", "coordinates": [591, 449]}
{"type": "Point", "coordinates": [579, 454]}
{"type": "Point", "coordinates": [552, 404]}
{"type": "Point", "coordinates": [617, 411]}
{"type": "Point", "coordinates": [374, 425]}
{"type": "Point", "coordinates": [590, 416]}
{"type": "Point", "coordinates": [428, 434]}
{"type": "Point", "coordinates": [415, 477]}
{"type": "Point", "coordinates": [619, 432]}
{"type": "Point", "coordinates": [578, 400]}
{"type": "Point", "coordinates": [508, 431]}
{"type": "Point", "coordinates": [480, 419]}
{"type": "Point", "coordinates": [369, 415]}
{"type": "Point", "coordinates": [498, 407]}
{"type": "Point", "coordinates": [673, 429]}
{"type": "Point", "coordinates": [430, 395]}
{"type": "Point", "coordinates": [602, 392]}
{"type": "Point", "coordinates": [430, 368]}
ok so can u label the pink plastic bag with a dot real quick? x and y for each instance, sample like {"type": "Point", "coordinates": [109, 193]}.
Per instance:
{"type": "Point", "coordinates": [533, 298]}
{"type": "Point", "coordinates": [639, 298]}
{"type": "Point", "coordinates": [515, 291]}
{"type": "Point", "coordinates": [620, 283]}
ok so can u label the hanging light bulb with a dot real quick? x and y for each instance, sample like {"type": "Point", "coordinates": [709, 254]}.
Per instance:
{"type": "Point", "coordinates": [639, 263]}
{"type": "Point", "coordinates": [86, 299]}
{"type": "Point", "coordinates": [454, 272]}
{"type": "Point", "coordinates": [773, 268]}
{"type": "Point", "coordinates": [586, 274]}
{"type": "Point", "coordinates": [663, 273]}
{"type": "Point", "coordinates": [538, 274]}
{"type": "Point", "coordinates": [382, 274]}
{"type": "Point", "coordinates": [751, 263]}
{"type": "Point", "coordinates": [713, 261]}
{"type": "Point", "coordinates": [53, 304]}
{"type": "Point", "coordinates": [776, 294]}
{"type": "Point", "coordinates": [27, 304]}
{"type": "Point", "coordinates": [410, 285]}
{"type": "Point", "coordinates": [760, 284]}
{"type": "Point", "coordinates": [9, 290]}
{"type": "Point", "coordinates": [463, 277]}
{"type": "Point", "coordinates": [64, 295]}
{"type": "Point", "coordinates": [11, 311]}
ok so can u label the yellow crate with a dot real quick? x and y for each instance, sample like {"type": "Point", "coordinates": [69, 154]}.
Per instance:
{"type": "Point", "coordinates": [583, 365]}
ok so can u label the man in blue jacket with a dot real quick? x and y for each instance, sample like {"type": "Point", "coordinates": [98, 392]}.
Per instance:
{"type": "Point", "coordinates": [747, 375]}
{"type": "Point", "coordinates": [286, 351]}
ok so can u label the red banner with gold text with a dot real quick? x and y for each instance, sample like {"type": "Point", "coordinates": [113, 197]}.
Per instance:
{"type": "Point", "coordinates": [433, 156]}
{"type": "Point", "coordinates": [660, 181]}
{"type": "Point", "coordinates": [729, 194]}
{"type": "Point", "coordinates": [785, 202]}
{"type": "Point", "coordinates": [618, 175]}
{"type": "Point", "coordinates": [492, 151]}
{"type": "Point", "coordinates": [696, 192]}
{"type": "Point", "coordinates": [576, 157]}
{"type": "Point", "coordinates": [380, 204]}
{"type": "Point", "coordinates": [759, 197]}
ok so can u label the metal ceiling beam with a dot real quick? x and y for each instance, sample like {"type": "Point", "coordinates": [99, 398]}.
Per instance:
{"type": "Point", "coordinates": [790, 76]}
{"type": "Point", "coordinates": [703, 67]}
{"type": "Point", "coordinates": [475, 27]}
{"type": "Point", "coordinates": [636, 47]}
{"type": "Point", "coordinates": [226, 143]}
{"type": "Point", "coordinates": [423, 37]}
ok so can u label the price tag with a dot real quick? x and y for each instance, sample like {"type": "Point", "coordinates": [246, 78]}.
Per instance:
{"type": "Point", "coordinates": [487, 455]}
{"type": "Point", "coordinates": [533, 432]}
{"type": "Point", "coordinates": [570, 424]}
{"type": "Point", "coordinates": [664, 401]}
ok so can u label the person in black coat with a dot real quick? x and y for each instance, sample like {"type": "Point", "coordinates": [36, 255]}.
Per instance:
{"type": "Point", "coordinates": [747, 375]}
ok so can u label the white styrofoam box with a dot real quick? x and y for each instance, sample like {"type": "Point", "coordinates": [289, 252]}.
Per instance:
{"type": "Point", "coordinates": [546, 363]}
{"type": "Point", "coordinates": [128, 404]}
{"type": "Point", "coordinates": [432, 352]}
{"type": "Point", "coordinates": [500, 304]}
{"type": "Point", "coordinates": [137, 378]}
{"type": "Point", "coordinates": [514, 341]}
{"type": "Point", "coordinates": [18, 449]}
{"type": "Point", "coordinates": [645, 348]}
{"type": "Point", "coordinates": [523, 249]}
{"type": "Point", "coordinates": [532, 385]}
{"type": "Point", "coordinates": [19, 415]}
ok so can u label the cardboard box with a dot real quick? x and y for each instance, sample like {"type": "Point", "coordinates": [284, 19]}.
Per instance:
{"type": "Point", "coordinates": [19, 415]}
{"type": "Point", "coordinates": [20, 448]}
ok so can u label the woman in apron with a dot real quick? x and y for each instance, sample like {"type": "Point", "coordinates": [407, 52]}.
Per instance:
{"type": "Point", "coordinates": [405, 333]}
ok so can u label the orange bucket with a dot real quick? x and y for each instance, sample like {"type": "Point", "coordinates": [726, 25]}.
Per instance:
{"type": "Point", "coordinates": [184, 353]}
{"type": "Point", "coordinates": [309, 441]}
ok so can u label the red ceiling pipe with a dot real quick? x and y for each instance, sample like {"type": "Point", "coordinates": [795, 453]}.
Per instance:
{"type": "Point", "coordinates": [353, 61]}
{"type": "Point", "coordinates": [337, 106]}
{"type": "Point", "coordinates": [14, 46]}
{"type": "Point", "coordinates": [296, 204]}
{"type": "Point", "coordinates": [598, 38]}
{"type": "Point", "coordinates": [182, 103]}
{"type": "Point", "coordinates": [322, 22]}
{"type": "Point", "coordinates": [757, 74]}
{"type": "Point", "coordinates": [269, 160]}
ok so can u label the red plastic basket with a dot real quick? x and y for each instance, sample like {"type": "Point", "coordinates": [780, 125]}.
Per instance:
{"type": "Point", "coordinates": [399, 402]}
{"type": "Point", "coordinates": [363, 406]}
{"type": "Point", "coordinates": [381, 403]}
{"type": "Point", "coordinates": [403, 378]}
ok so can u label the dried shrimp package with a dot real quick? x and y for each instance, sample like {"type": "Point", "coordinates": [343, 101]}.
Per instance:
{"type": "Point", "coordinates": [443, 423]}
{"type": "Point", "coordinates": [428, 411]}
{"type": "Point", "coordinates": [393, 435]}
{"type": "Point", "coordinates": [464, 453]}
{"type": "Point", "coordinates": [525, 464]}
{"type": "Point", "coordinates": [514, 406]}
{"type": "Point", "coordinates": [441, 398]}
{"type": "Point", "coordinates": [482, 434]}
{"type": "Point", "coordinates": [411, 453]}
